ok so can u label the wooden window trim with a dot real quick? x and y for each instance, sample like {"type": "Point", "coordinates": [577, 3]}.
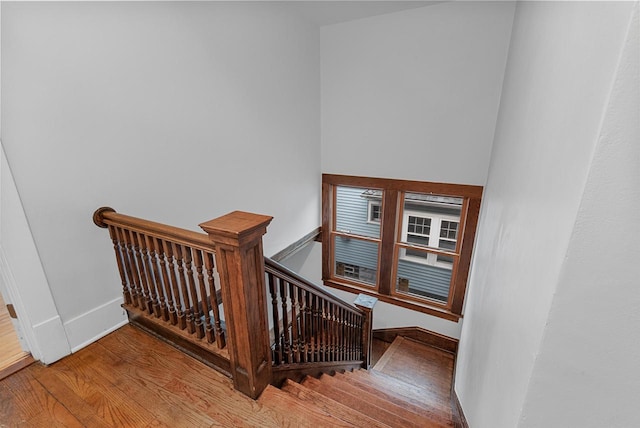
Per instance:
{"type": "Point", "coordinates": [390, 224]}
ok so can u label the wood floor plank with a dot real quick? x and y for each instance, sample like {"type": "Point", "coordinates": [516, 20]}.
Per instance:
{"type": "Point", "coordinates": [117, 407]}
{"type": "Point", "coordinates": [12, 356]}
{"type": "Point", "coordinates": [63, 393]}
{"type": "Point", "coordinates": [169, 410]}
{"type": "Point", "coordinates": [35, 404]}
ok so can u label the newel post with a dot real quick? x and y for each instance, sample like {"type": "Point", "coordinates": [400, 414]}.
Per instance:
{"type": "Point", "coordinates": [366, 303]}
{"type": "Point", "coordinates": [237, 238]}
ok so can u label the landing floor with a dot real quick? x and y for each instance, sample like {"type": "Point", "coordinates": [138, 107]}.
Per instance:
{"type": "Point", "coordinates": [129, 378]}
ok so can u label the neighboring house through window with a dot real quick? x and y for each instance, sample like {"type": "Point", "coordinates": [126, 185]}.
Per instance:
{"type": "Point", "coordinates": [406, 242]}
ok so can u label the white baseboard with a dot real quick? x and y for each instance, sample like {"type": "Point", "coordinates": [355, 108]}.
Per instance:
{"type": "Point", "coordinates": [51, 341]}
{"type": "Point", "coordinates": [85, 329]}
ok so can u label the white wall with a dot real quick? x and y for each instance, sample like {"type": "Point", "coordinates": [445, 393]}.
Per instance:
{"type": "Point", "coordinates": [175, 112]}
{"type": "Point", "coordinates": [414, 94]}
{"type": "Point", "coordinates": [307, 262]}
{"type": "Point", "coordinates": [23, 280]}
{"type": "Point", "coordinates": [559, 74]}
{"type": "Point", "coordinates": [586, 373]}
{"type": "Point", "coordinates": [404, 92]}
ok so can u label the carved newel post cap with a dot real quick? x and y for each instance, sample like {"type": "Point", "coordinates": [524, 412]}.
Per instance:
{"type": "Point", "coordinates": [237, 227]}
{"type": "Point", "coordinates": [98, 216]}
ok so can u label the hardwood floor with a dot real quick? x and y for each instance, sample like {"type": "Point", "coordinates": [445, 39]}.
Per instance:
{"type": "Point", "coordinates": [12, 357]}
{"type": "Point", "coordinates": [131, 379]}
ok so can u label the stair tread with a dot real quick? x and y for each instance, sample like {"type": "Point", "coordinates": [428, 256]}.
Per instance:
{"type": "Point", "coordinates": [331, 406]}
{"type": "Point", "coordinates": [416, 363]}
{"type": "Point", "coordinates": [416, 394]}
{"type": "Point", "coordinates": [436, 413]}
{"type": "Point", "coordinates": [365, 402]}
{"type": "Point", "coordinates": [296, 413]}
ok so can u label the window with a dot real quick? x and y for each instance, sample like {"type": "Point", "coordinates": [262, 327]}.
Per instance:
{"type": "Point", "coordinates": [375, 212]}
{"type": "Point", "coordinates": [406, 242]}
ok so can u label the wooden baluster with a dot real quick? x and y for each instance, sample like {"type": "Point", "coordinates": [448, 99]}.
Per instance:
{"type": "Point", "coordinates": [204, 300]}
{"type": "Point", "coordinates": [342, 335]}
{"type": "Point", "coordinates": [312, 334]}
{"type": "Point", "coordinates": [275, 318]}
{"type": "Point", "coordinates": [166, 301]}
{"type": "Point", "coordinates": [186, 308]}
{"type": "Point", "coordinates": [349, 336]}
{"type": "Point", "coordinates": [159, 305]}
{"type": "Point", "coordinates": [317, 326]}
{"type": "Point", "coordinates": [213, 298]}
{"type": "Point", "coordinates": [315, 349]}
{"type": "Point", "coordinates": [334, 332]}
{"type": "Point", "coordinates": [146, 303]}
{"type": "Point", "coordinates": [321, 329]}
{"type": "Point", "coordinates": [132, 271]}
{"type": "Point", "coordinates": [355, 336]}
{"type": "Point", "coordinates": [196, 316]}
{"type": "Point", "coordinates": [165, 266]}
{"type": "Point", "coordinates": [149, 271]}
{"type": "Point", "coordinates": [286, 344]}
{"type": "Point", "coordinates": [119, 260]}
{"type": "Point", "coordinates": [295, 337]}
{"type": "Point", "coordinates": [327, 328]}
{"type": "Point", "coordinates": [175, 308]}
{"type": "Point", "coordinates": [304, 337]}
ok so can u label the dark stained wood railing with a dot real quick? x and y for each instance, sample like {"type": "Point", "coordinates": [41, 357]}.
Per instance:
{"type": "Point", "coordinates": [169, 282]}
{"type": "Point", "coordinates": [171, 288]}
{"type": "Point", "coordinates": [313, 330]}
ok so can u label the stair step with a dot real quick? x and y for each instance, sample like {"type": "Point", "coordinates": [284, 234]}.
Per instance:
{"type": "Point", "coordinates": [417, 395]}
{"type": "Point", "coordinates": [436, 414]}
{"type": "Point", "coordinates": [296, 413]}
{"type": "Point", "coordinates": [413, 362]}
{"type": "Point", "coordinates": [333, 407]}
{"type": "Point", "coordinates": [364, 402]}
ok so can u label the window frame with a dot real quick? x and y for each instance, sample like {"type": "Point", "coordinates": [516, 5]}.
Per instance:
{"type": "Point", "coordinates": [390, 241]}
{"type": "Point", "coordinates": [370, 205]}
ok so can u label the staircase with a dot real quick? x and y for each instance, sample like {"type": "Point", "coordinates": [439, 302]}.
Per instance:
{"type": "Point", "coordinates": [408, 387]}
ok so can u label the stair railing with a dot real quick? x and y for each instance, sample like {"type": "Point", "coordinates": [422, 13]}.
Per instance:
{"type": "Point", "coordinates": [170, 287]}
{"type": "Point", "coordinates": [168, 278]}
{"type": "Point", "coordinates": [313, 330]}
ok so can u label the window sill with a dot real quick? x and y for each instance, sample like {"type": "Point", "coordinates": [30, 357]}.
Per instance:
{"type": "Point", "coordinates": [398, 301]}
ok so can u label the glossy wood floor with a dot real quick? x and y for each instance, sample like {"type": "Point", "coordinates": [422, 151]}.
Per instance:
{"type": "Point", "coordinates": [12, 357]}
{"type": "Point", "coordinates": [131, 379]}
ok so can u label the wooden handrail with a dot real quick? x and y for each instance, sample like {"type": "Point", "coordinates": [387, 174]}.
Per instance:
{"type": "Point", "coordinates": [105, 216]}
{"type": "Point", "coordinates": [290, 276]}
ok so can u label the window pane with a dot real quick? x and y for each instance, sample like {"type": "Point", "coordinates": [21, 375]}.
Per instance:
{"type": "Point", "coordinates": [418, 239]}
{"type": "Point", "coordinates": [433, 216]}
{"type": "Point", "coordinates": [423, 280]}
{"type": "Point", "coordinates": [447, 245]}
{"type": "Point", "coordinates": [356, 259]}
{"type": "Point", "coordinates": [353, 211]}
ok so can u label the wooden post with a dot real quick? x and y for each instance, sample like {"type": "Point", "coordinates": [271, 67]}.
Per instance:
{"type": "Point", "coordinates": [237, 238]}
{"type": "Point", "coordinates": [366, 304]}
